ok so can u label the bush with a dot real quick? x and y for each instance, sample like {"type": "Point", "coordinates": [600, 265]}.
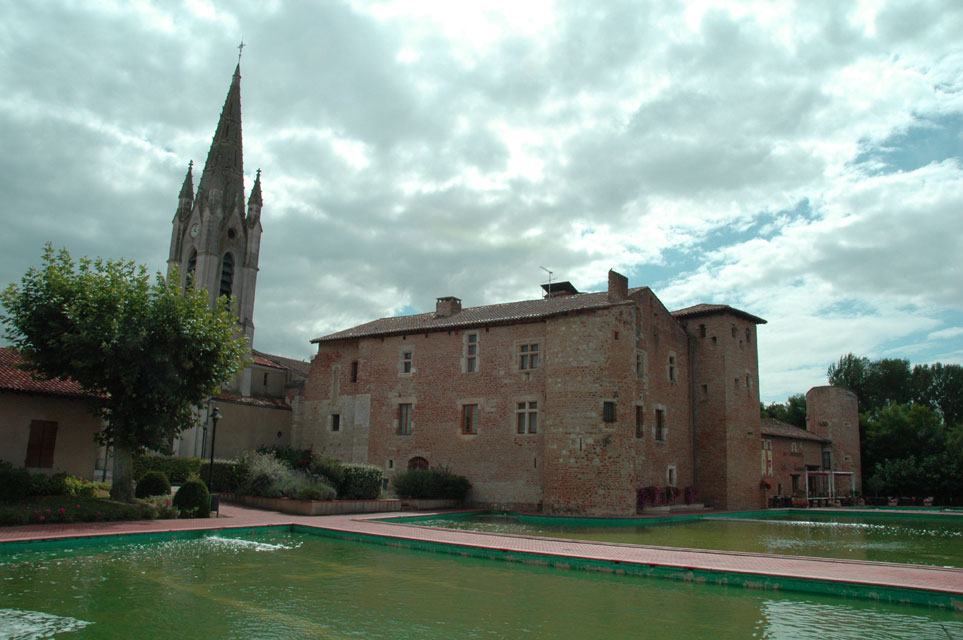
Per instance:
{"type": "Point", "coordinates": [264, 475]}
{"type": "Point", "coordinates": [153, 483]}
{"type": "Point", "coordinates": [430, 484]}
{"type": "Point", "coordinates": [193, 500]}
{"type": "Point", "coordinates": [15, 483]}
{"type": "Point", "coordinates": [316, 490]}
{"type": "Point", "coordinates": [177, 469]}
{"type": "Point", "coordinates": [298, 459]}
{"type": "Point", "coordinates": [328, 469]}
{"type": "Point", "coordinates": [161, 506]}
{"type": "Point", "coordinates": [361, 482]}
{"type": "Point", "coordinates": [229, 475]}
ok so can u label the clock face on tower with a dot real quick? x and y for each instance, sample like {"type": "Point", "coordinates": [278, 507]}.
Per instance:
{"type": "Point", "coordinates": [196, 229]}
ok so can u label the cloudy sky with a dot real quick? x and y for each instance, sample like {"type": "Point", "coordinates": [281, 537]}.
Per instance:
{"type": "Point", "coordinates": [802, 162]}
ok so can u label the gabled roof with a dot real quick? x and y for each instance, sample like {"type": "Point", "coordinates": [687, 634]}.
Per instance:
{"type": "Point", "coordinates": [488, 315]}
{"type": "Point", "coordinates": [253, 401]}
{"type": "Point", "coordinates": [779, 429]}
{"type": "Point", "coordinates": [299, 367]}
{"type": "Point", "coordinates": [713, 309]}
{"type": "Point", "coordinates": [12, 378]}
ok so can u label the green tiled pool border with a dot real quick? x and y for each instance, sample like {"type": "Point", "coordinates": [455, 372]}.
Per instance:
{"type": "Point", "coordinates": [923, 597]}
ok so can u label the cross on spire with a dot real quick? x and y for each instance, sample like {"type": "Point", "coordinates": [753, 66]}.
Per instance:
{"type": "Point", "coordinates": [240, 50]}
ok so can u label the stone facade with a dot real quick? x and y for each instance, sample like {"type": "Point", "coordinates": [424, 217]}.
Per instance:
{"type": "Point", "coordinates": [623, 394]}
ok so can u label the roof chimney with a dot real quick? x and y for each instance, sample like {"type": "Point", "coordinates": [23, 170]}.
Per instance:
{"type": "Point", "coordinates": [618, 287]}
{"type": "Point", "coordinates": [447, 306]}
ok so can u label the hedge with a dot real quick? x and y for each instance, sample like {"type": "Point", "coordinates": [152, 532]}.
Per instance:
{"type": "Point", "coordinates": [360, 482]}
{"type": "Point", "coordinates": [177, 469]}
{"type": "Point", "coordinates": [430, 484]}
{"type": "Point", "coordinates": [228, 476]}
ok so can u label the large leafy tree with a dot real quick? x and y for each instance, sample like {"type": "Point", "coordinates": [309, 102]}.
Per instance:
{"type": "Point", "coordinates": [792, 411]}
{"type": "Point", "coordinates": [145, 351]}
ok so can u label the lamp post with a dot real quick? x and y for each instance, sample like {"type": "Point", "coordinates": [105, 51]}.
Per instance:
{"type": "Point", "coordinates": [215, 416]}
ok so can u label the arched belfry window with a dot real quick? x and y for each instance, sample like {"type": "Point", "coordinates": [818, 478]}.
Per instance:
{"type": "Point", "coordinates": [227, 275]}
{"type": "Point", "coordinates": [192, 264]}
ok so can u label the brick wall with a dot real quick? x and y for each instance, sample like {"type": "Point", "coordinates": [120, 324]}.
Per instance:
{"type": "Point", "coordinates": [832, 412]}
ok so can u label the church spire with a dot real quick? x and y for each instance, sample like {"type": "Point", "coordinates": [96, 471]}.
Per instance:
{"type": "Point", "coordinates": [256, 191]}
{"type": "Point", "coordinates": [224, 169]}
{"type": "Point", "coordinates": [187, 190]}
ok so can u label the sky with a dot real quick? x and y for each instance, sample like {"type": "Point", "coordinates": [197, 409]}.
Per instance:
{"type": "Point", "coordinates": [802, 162]}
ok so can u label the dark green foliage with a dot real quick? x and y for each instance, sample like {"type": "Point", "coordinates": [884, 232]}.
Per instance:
{"type": "Point", "coordinates": [793, 411]}
{"type": "Point", "coordinates": [430, 484]}
{"type": "Point", "coordinates": [145, 351]}
{"type": "Point", "coordinates": [153, 483]}
{"type": "Point", "coordinates": [328, 469]}
{"type": "Point", "coordinates": [229, 475]}
{"type": "Point", "coordinates": [299, 459]}
{"type": "Point", "coordinates": [193, 500]}
{"type": "Point", "coordinates": [177, 469]}
{"type": "Point", "coordinates": [361, 482]}
{"type": "Point", "coordinates": [15, 484]}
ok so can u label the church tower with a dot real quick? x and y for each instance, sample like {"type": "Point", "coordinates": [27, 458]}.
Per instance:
{"type": "Point", "coordinates": [214, 238]}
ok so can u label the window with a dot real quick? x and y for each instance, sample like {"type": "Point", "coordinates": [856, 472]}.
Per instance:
{"type": "Point", "coordinates": [265, 379]}
{"type": "Point", "coordinates": [704, 390]}
{"type": "Point", "coordinates": [404, 419]}
{"type": "Point", "coordinates": [639, 421]}
{"type": "Point", "coordinates": [354, 371]}
{"type": "Point", "coordinates": [670, 475]}
{"type": "Point", "coordinates": [192, 265]}
{"type": "Point", "coordinates": [702, 331]}
{"type": "Point", "coordinates": [526, 414]}
{"type": "Point", "coordinates": [660, 425]}
{"type": "Point", "coordinates": [673, 370]}
{"type": "Point", "coordinates": [407, 358]}
{"type": "Point", "coordinates": [336, 422]}
{"type": "Point", "coordinates": [528, 356]}
{"type": "Point", "coordinates": [417, 463]}
{"type": "Point", "coordinates": [227, 275]}
{"type": "Point", "coordinates": [471, 352]}
{"type": "Point", "coordinates": [469, 418]}
{"type": "Point", "coordinates": [40, 446]}
{"type": "Point", "coordinates": [827, 459]}
{"type": "Point", "coordinates": [733, 330]}
{"type": "Point", "coordinates": [608, 411]}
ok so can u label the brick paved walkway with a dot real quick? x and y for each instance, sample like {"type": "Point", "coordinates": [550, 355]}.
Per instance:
{"type": "Point", "coordinates": [899, 576]}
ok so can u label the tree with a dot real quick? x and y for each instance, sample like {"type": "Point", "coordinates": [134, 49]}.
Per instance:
{"type": "Point", "coordinates": [902, 431]}
{"type": "Point", "coordinates": [940, 387]}
{"type": "Point", "coordinates": [792, 411]}
{"type": "Point", "coordinates": [849, 373]}
{"type": "Point", "coordinates": [145, 353]}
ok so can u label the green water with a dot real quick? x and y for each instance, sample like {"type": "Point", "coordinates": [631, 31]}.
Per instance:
{"type": "Point", "coordinates": [934, 540]}
{"type": "Point", "coordinates": [287, 585]}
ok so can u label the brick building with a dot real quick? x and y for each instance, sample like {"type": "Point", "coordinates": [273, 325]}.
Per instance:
{"type": "Point", "coordinates": [820, 461]}
{"type": "Point", "coordinates": [565, 404]}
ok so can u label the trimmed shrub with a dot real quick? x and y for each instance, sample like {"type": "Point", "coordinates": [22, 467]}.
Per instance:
{"type": "Point", "coordinates": [317, 490]}
{"type": "Point", "coordinates": [229, 475]}
{"type": "Point", "coordinates": [431, 484]}
{"type": "Point", "coordinates": [193, 500]}
{"type": "Point", "coordinates": [153, 483]}
{"type": "Point", "coordinates": [361, 482]}
{"type": "Point", "coordinates": [177, 469]}
{"type": "Point", "coordinates": [15, 483]}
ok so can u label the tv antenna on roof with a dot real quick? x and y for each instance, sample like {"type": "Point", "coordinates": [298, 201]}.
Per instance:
{"type": "Point", "coordinates": [549, 272]}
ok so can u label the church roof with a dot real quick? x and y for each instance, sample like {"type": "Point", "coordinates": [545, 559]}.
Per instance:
{"type": "Point", "coordinates": [779, 429]}
{"type": "Point", "coordinates": [713, 309]}
{"type": "Point", "coordinates": [488, 315]}
{"type": "Point", "coordinates": [13, 378]}
{"type": "Point", "coordinates": [299, 367]}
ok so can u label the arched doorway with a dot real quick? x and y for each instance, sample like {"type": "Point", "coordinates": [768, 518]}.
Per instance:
{"type": "Point", "coordinates": [417, 463]}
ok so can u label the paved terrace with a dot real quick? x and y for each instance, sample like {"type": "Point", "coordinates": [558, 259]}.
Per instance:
{"type": "Point", "coordinates": [764, 567]}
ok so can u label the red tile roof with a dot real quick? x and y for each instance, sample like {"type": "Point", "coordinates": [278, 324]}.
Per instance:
{"type": "Point", "coordinates": [253, 401]}
{"type": "Point", "coordinates": [269, 359]}
{"type": "Point", "coordinates": [12, 378]}
{"type": "Point", "coordinates": [488, 315]}
{"type": "Point", "coordinates": [712, 309]}
{"type": "Point", "coordinates": [779, 429]}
